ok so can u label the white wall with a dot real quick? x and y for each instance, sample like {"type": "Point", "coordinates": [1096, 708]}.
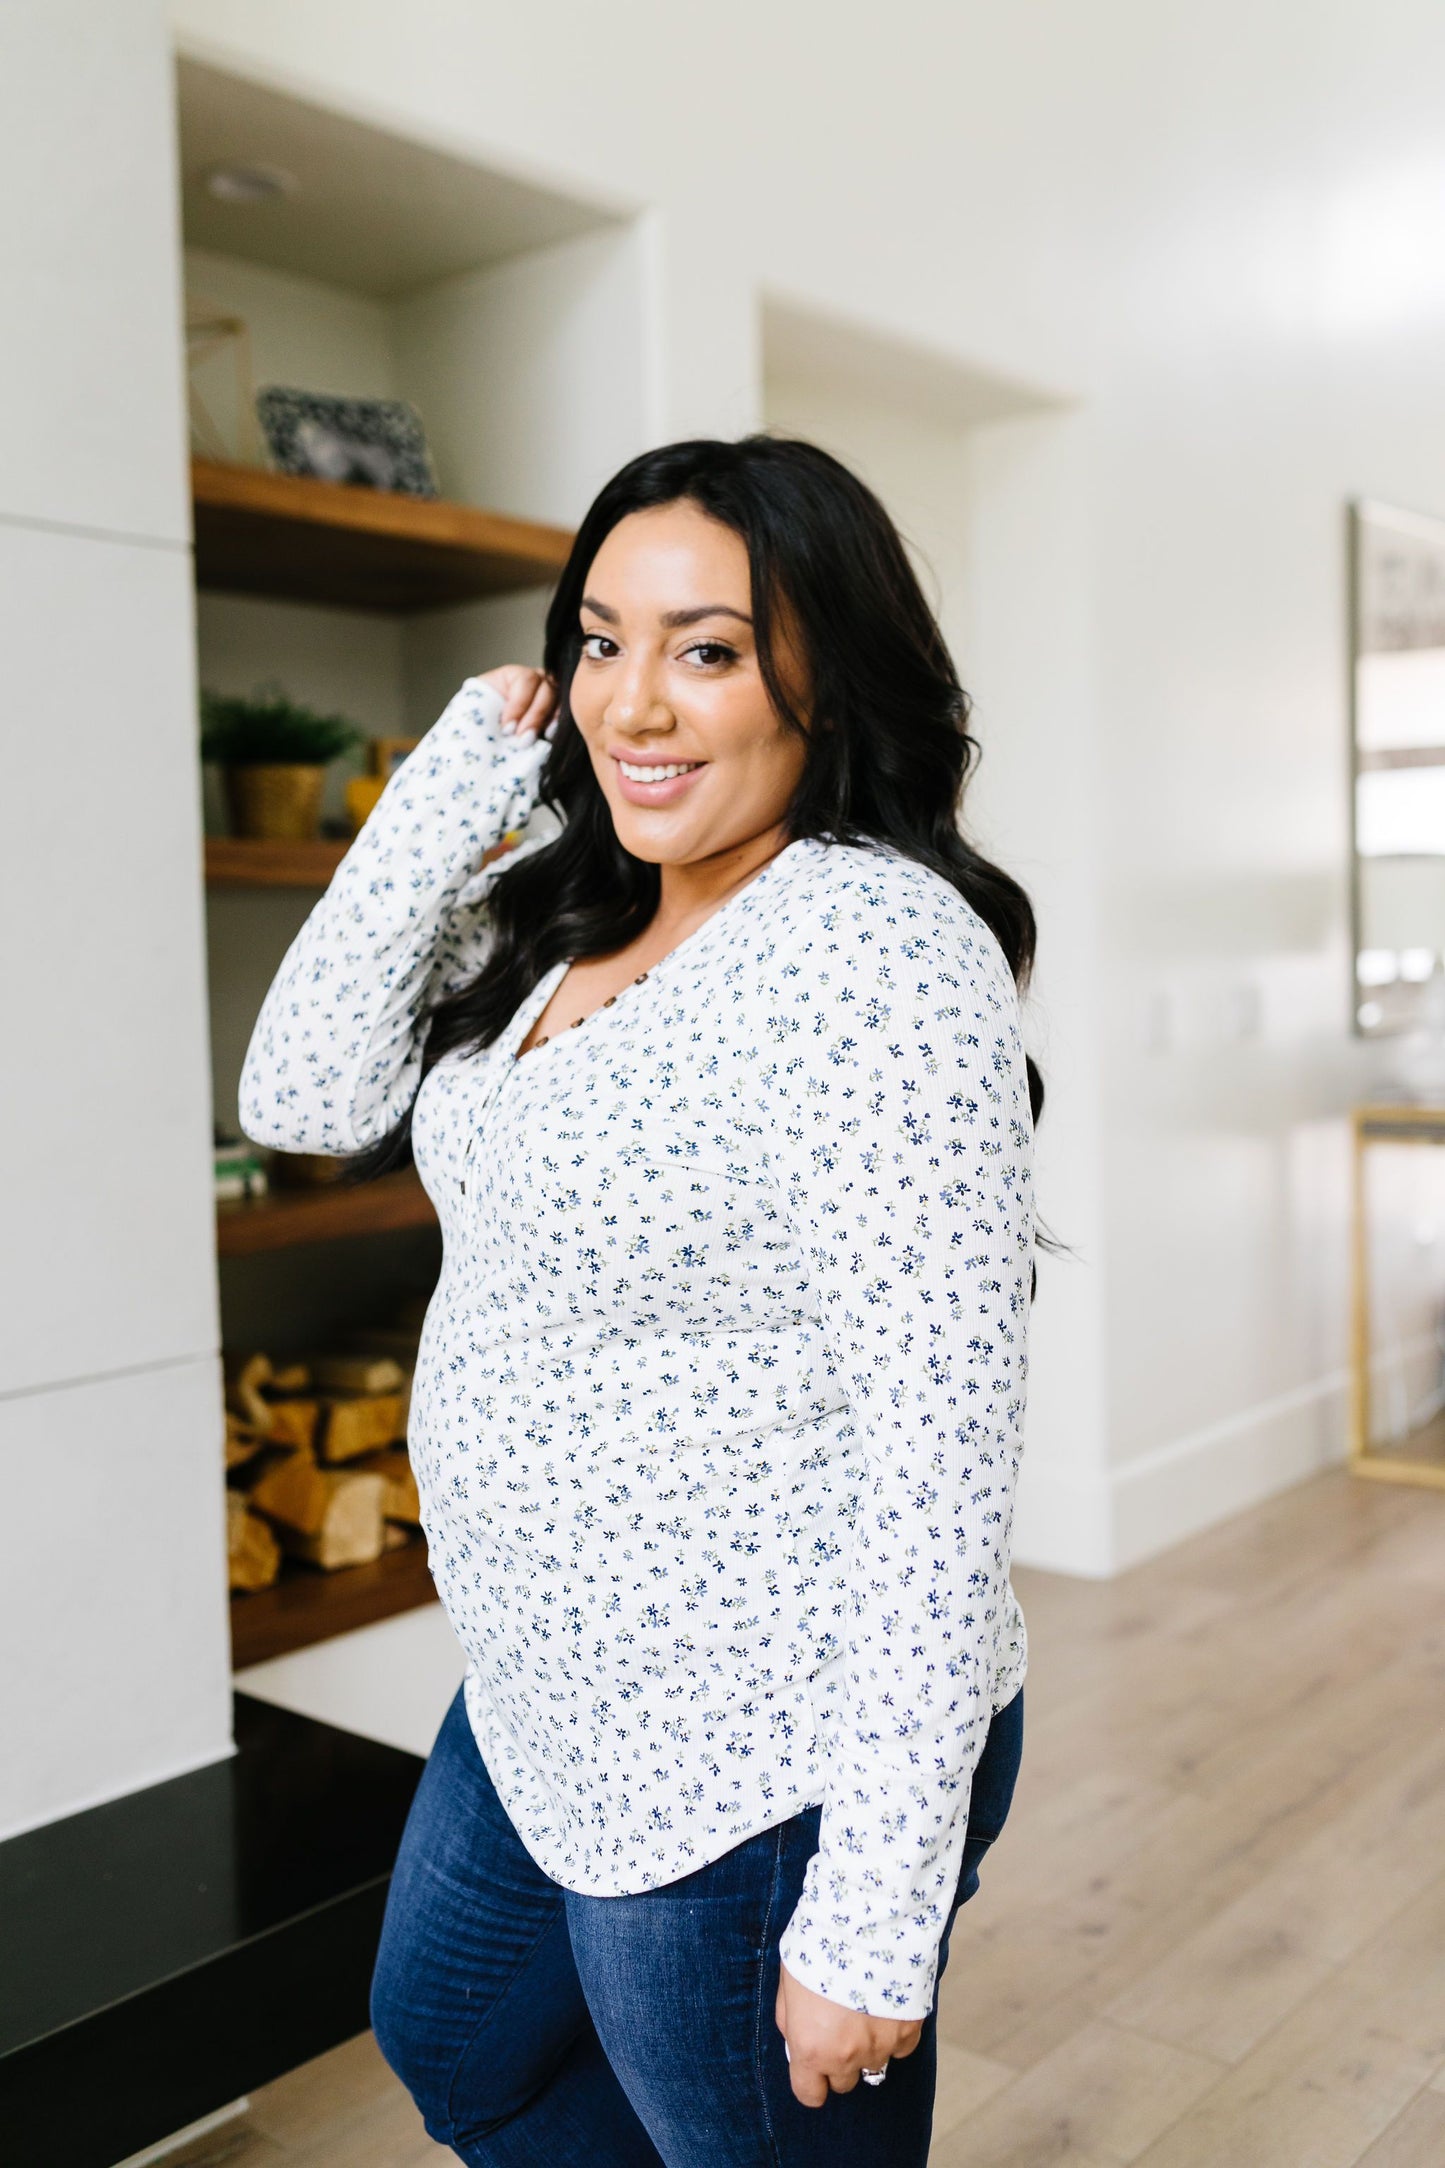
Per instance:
{"type": "Point", "coordinates": [536, 380]}
{"type": "Point", "coordinates": [1277, 350]}
{"type": "Point", "coordinates": [1213, 231]}
{"type": "Point", "coordinates": [113, 1651]}
{"type": "Point", "coordinates": [532, 374]}
{"type": "Point", "coordinates": [300, 332]}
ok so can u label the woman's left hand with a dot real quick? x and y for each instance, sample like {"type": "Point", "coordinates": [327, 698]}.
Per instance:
{"type": "Point", "coordinates": [529, 698]}
{"type": "Point", "coordinates": [829, 2044]}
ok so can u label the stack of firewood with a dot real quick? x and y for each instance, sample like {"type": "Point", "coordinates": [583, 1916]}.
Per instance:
{"type": "Point", "coordinates": [316, 1463]}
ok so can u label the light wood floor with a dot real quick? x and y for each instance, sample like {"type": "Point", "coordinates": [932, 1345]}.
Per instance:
{"type": "Point", "coordinates": [1213, 1935]}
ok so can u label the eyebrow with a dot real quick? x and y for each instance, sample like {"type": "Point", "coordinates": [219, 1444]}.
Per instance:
{"type": "Point", "coordinates": [673, 620]}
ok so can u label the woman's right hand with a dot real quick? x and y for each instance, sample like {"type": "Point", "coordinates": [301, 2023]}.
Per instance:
{"type": "Point", "coordinates": [529, 698]}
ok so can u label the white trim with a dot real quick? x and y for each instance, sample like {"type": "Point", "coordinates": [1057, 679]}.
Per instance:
{"type": "Point", "coordinates": [1229, 1427]}
{"type": "Point", "coordinates": [1062, 1524]}
{"type": "Point", "coordinates": [1196, 1481]}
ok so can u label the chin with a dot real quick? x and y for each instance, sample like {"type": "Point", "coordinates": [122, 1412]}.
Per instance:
{"type": "Point", "coordinates": [654, 850]}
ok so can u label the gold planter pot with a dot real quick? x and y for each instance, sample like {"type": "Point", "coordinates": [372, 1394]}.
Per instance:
{"type": "Point", "coordinates": [276, 802]}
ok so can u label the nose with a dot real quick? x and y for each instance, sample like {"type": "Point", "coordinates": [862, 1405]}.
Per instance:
{"type": "Point", "coordinates": [636, 702]}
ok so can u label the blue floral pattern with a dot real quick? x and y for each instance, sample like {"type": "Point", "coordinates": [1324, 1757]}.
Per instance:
{"type": "Point", "coordinates": [719, 1400]}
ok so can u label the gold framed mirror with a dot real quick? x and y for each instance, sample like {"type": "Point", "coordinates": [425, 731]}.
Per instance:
{"type": "Point", "coordinates": [1397, 706]}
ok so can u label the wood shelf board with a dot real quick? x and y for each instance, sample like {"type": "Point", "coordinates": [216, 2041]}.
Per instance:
{"type": "Point", "coordinates": [293, 539]}
{"type": "Point", "coordinates": [285, 1217]}
{"type": "Point", "coordinates": [306, 1606]}
{"type": "Point", "coordinates": [239, 862]}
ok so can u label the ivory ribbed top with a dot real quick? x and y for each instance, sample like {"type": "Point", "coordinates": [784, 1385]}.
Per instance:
{"type": "Point", "coordinates": [718, 1405]}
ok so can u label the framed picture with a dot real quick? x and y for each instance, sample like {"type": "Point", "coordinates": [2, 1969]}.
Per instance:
{"type": "Point", "coordinates": [387, 755]}
{"type": "Point", "coordinates": [369, 443]}
{"type": "Point", "coordinates": [220, 386]}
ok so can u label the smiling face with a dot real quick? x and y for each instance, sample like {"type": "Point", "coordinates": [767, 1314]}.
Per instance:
{"type": "Point", "coordinates": [690, 752]}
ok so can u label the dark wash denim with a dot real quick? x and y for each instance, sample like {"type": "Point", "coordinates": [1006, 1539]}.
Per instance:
{"type": "Point", "coordinates": [535, 2026]}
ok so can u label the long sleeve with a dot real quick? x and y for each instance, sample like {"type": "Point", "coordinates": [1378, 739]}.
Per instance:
{"type": "Point", "coordinates": [335, 1057]}
{"type": "Point", "coordinates": [902, 1141]}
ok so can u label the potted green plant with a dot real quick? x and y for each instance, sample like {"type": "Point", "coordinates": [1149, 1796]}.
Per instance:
{"type": "Point", "coordinates": [273, 755]}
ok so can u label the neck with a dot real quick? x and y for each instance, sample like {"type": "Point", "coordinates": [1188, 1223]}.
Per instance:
{"type": "Point", "coordinates": [693, 889]}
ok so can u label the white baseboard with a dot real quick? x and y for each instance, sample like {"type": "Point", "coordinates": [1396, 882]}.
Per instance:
{"type": "Point", "coordinates": [1193, 1482]}
{"type": "Point", "coordinates": [1067, 1521]}
{"type": "Point", "coordinates": [1062, 1521]}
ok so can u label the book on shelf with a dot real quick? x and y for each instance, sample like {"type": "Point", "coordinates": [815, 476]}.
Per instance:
{"type": "Point", "coordinates": [239, 1168]}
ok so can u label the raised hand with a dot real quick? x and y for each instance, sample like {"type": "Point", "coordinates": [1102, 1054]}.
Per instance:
{"type": "Point", "coordinates": [529, 698]}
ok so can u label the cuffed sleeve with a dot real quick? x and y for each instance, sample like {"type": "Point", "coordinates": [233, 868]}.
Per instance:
{"type": "Point", "coordinates": [335, 1057]}
{"type": "Point", "coordinates": [902, 1140]}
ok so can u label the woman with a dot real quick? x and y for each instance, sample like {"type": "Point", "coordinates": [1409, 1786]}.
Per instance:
{"type": "Point", "coordinates": [719, 1094]}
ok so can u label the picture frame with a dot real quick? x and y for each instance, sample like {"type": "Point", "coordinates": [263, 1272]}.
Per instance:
{"type": "Point", "coordinates": [220, 386]}
{"type": "Point", "coordinates": [361, 443]}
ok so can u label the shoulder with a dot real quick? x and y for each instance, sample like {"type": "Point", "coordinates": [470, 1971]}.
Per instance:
{"type": "Point", "coordinates": [856, 916]}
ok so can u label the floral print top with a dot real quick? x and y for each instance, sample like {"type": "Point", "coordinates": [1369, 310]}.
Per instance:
{"type": "Point", "coordinates": [719, 1399]}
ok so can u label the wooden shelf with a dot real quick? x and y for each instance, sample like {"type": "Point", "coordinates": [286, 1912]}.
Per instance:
{"type": "Point", "coordinates": [235, 862]}
{"type": "Point", "coordinates": [306, 1606]}
{"type": "Point", "coordinates": [285, 1217]}
{"type": "Point", "coordinates": [296, 540]}
{"type": "Point", "coordinates": [240, 862]}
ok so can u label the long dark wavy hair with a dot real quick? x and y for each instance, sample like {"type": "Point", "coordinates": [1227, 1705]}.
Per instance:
{"type": "Point", "coordinates": [886, 728]}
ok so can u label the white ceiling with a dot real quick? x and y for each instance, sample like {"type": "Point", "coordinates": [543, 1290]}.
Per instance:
{"type": "Point", "coordinates": [372, 211]}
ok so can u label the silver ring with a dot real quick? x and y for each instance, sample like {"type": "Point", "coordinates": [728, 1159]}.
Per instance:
{"type": "Point", "coordinates": [874, 2077]}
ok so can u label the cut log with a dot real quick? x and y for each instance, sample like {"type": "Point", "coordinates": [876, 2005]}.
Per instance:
{"type": "Point", "coordinates": [243, 1442]}
{"type": "Point", "coordinates": [254, 1553]}
{"type": "Point", "coordinates": [366, 1373]}
{"type": "Point", "coordinates": [294, 1493]}
{"type": "Point", "coordinates": [294, 1378]}
{"type": "Point", "coordinates": [402, 1502]}
{"type": "Point", "coordinates": [294, 1423]}
{"type": "Point", "coordinates": [353, 1527]}
{"type": "Point", "coordinates": [350, 1427]}
{"type": "Point", "coordinates": [243, 1391]}
{"type": "Point", "coordinates": [396, 1537]}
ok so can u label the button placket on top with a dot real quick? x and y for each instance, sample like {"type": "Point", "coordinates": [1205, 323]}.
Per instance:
{"type": "Point", "coordinates": [503, 1052]}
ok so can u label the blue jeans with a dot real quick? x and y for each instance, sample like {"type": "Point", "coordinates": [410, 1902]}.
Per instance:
{"type": "Point", "coordinates": [535, 2026]}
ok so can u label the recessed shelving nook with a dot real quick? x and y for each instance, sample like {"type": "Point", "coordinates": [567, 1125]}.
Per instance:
{"type": "Point", "coordinates": [514, 317]}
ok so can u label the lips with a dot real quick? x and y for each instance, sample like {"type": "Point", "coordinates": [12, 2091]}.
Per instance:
{"type": "Point", "coordinates": [656, 782]}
